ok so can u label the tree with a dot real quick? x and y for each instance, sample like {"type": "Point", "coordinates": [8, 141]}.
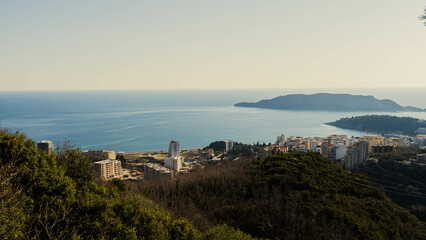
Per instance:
{"type": "Point", "coordinates": [423, 17]}
{"type": "Point", "coordinates": [75, 164]}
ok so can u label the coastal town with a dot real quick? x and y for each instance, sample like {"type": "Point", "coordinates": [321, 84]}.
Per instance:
{"type": "Point", "coordinates": [348, 152]}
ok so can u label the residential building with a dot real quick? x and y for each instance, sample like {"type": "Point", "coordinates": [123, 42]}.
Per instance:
{"type": "Point", "coordinates": [281, 139]}
{"type": "Point", "coordinates": [174, 163]}
{"type": "Point", "coordinates": [174, 160]}
{"type": "Point", "coordinates": [326, 150]}
{"type": "Point", "coordinates": [383, 148]}
{"type": "Point", "coordinates": [174, 149]}
{"type": "Point", "coordinates": [338, 152]}
{"type": "Point", "coordinates": [98, 155]}
{"type": "Point", "coordinates": [363, 147]}
{"type": "Point", "coordinates": [45, 146]}
{"type": "Point", "coordinates": [229, 145]}
{"type": "Point", "coordinates": [156, 171]}
{"type": "Point", "coordinates": [356, 155]}
{"type": "Point", "coordinates": [373, 140]}
{"type": "Point", "coordinates": [108, 169]}
{"type": "Point", "coordinates": [351, 159]}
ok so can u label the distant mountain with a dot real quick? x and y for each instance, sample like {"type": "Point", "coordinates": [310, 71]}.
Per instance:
{"type": "Point", "coordinates": [382, 123]}
{"type": "Point", "coordinates": [330, 102]}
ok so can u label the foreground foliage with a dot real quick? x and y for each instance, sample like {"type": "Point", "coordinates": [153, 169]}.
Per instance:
{"type": "Point", "coordinates": [403, 183]}
{"type": "Point", "coordinates": [48, 197]}
{"type": "Point", "coordinates": [287, 196]}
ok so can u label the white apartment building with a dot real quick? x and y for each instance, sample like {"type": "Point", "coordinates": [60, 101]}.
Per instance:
{"type": "Point", "coordinates": [108, 169]}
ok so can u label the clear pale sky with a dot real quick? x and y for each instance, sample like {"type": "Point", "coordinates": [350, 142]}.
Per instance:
{"type": "Point", "coordinates": [104, 44]}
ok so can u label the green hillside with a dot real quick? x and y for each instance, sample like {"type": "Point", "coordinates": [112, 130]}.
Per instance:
{"type": "Point", "coordinates": [291, 196]}
{"type": "Point", "coordinates": [58, 197]}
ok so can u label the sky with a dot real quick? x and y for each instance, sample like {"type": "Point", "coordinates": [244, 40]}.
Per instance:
{"type": "Point", "coordinates": [199, 44]}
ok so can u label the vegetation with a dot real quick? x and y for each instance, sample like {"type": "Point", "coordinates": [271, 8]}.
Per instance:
{"type": "Point", "coordinates": [286, 196]}
{"type": "Point", "coordinates": [403, 183]}
{"type": "Point", "coordinates": [291, 196]}
{"type": "Point", "coordinates": [57, 197]}
{"type": "Point", "coordinates": [381, 123]}
{"type": "Point", "coordinates": [239, 149]}
{"type": "Point", "coordinates": [329, 102]}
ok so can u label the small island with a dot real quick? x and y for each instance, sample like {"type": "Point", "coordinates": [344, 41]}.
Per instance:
{"type": "Point", "coordinates": [330, 102]}
{"type": "Point", "coordinates": [383, 123]}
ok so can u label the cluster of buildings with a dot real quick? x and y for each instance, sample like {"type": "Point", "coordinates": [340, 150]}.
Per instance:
{"type": "Point", "coordinates": [105, 164]}
{"type": "Point", "coordinates": [348, 152]}
{"type": "Point", "coordinates": [173, 164]}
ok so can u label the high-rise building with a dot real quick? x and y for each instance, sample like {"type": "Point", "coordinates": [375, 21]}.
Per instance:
{"type": "Point", "coordinates": [229, 145]}
{"type": "Point", "coordinates": [174, 149]}
{"type": "Point", "coordinates": [338, 152]}
{"type": "Point", "coordinates": [281, 139]}
{"type": "Point", "coordinates": [174, 160]}
{"type": "Point", "coordinates": [364, 148]}
{"type": "Point", "coordinates": [45, 146]}
{"type": "Point", "coordinates": [351, 159]}
{"type": "Point", "coordinates": [325, 150]}
{"type": "Point", "coordinates": [356, 155]}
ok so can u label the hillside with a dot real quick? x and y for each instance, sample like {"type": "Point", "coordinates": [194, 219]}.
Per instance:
{"type": "Point", "coordinates": [404, 183]}
{"type": "Point", "coordinates": [329, 102]}
{"type": "Point", "coordinates": [58, 197]}
{"type": "Point", "coordinates": [291, 196]}
{"type": "Point", "coordinates": [382, 123]}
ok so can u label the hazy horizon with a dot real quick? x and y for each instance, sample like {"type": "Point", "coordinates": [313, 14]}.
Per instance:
{"type": "Point", "coordinates": [109, 45]}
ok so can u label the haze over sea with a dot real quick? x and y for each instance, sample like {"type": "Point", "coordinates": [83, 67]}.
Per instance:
{"type": "Point", "coordinates": [145, 120]}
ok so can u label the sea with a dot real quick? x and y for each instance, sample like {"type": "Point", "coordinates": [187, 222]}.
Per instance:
{"type": "Point", "coordinates": [146, 120]}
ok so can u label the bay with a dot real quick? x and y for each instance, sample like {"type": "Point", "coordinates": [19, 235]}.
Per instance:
{"type": "Point", "coordinates": [146, 120]}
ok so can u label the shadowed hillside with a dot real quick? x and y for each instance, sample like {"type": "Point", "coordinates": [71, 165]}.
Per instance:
{"type": "Point", "coordinates": [292, 196]}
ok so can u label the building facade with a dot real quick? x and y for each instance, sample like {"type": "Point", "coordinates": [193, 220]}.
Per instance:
{"type": "Point", "coordinates": [156, 171]}
{"type": "Point", "coordinates": [108, 169]}
{"type": "Point", "coordinates": [229, 145]}
{"type": "Point", "coordinates": [174, 160]}
{"type": "Point", "coordinates": [98, 155]}
{"type": "Point", "coordinates": [338, 152]}
{"type": "Point", "coordinates": [45, 146]}
{"type": "Point", "coordinates": [174, 149]}
{"type": "Point", "coordinates": [174, 163]}
{"type": "Point", "coordinates": [356, 155]}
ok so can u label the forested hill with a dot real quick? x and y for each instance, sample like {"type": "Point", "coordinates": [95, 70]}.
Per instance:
{"type": "Point", "coordinates": [330, 102]}
{"type": "Point", "coordinates": [287, 196]}
{"type": "Point", "coordinates": [57, 197]}
{"type": "Point", "coordinates": [382, 123]}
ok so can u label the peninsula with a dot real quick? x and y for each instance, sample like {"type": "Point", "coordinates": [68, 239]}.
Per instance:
{"type": "Point", "coordinates": [330, 102]}
{"type": "Point", "coordinates": [383, 123]}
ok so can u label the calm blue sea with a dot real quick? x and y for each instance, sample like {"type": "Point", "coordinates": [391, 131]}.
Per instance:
{"type": "Point", "coordinates": [148, 119]}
